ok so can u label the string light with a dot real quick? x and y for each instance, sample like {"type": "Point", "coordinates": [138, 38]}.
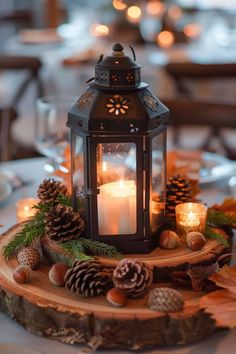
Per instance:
{"type": "Point", "coordinates": [133, 14]}
{"type": "Point", "coordinates": [99, 30]}
{"type": "Point", "coordinates": [192, 30]}
{"type": "Point", "coordinates": [175, 12]}
{"type": "Point", "coordinates": [155, 8]}
{"type": "Point", "coordinates": [165, 39]}
{"type": "Point", "coordinates": [119, 5]}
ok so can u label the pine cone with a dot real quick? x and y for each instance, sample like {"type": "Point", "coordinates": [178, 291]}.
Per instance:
{"type": "Point", "coordinates": [165, 300]}
{"type": "Point", "coordinates": [29, 256]}
{"type": "Point", "coordinates": [133, 276]}
{"type": "Point", "coordinates": [49, 190]}
{"type": "Point", "coordinates": [62, 223]}
{"type": "Point", "coordinates": [178, 190]}
{"type": "Point", "coordinates": [89, 278]}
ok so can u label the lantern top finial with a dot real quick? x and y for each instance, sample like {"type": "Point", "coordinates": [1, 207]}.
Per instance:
{"type": "Point", "coordinates": [118, 50]}
{"type": "Point", "coordinates": [117, 70]}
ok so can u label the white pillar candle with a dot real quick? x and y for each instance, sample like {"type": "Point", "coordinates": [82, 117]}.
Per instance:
{"type": "Point", "coordinates": [117, 208]}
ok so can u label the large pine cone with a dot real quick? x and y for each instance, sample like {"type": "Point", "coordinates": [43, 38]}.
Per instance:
{"type": "Point", "coordinates": [50, 189]}
{"type": "Point", "coordinates": [133, 276]}
{"type": "Point", "coordinates": [178, 190]}
{"type": "Point", "coordinates": [62, 223]}
{"type": "Point", "coordinates": [89, 278]}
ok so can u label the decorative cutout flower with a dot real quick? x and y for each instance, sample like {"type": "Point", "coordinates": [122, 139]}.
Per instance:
{"type": "Point", "coordinates": [117, 105]}
{"type": "Point", "coordinates": [129, 77]}
{"type": "Point", "coordinates": [85, 99]}
{"type": "Point", "coordinates": [150, 102]}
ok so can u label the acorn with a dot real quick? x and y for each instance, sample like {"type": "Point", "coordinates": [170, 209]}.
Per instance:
{"type": "Point", "coordinates": [22, 274]}
{"type": "Point", "coordinates": [117, 297]}
{"type": "Point", "coordinates": [195, 240]}
{"type": "Point", "coordinates": [169, 239]}
{"type": "Point", "coordinates": [57, 273]}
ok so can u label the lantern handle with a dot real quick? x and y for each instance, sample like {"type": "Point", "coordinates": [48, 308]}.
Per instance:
{"type": "Point", "coordinates": [100, 58]}
{"type": "Point", "coordinates": [92, 78]}
{"type": "Point", "coordinates": [133, 52]}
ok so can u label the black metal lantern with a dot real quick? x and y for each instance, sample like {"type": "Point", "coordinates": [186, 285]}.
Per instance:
{"type": "Point", "coordinates": [118, 144]}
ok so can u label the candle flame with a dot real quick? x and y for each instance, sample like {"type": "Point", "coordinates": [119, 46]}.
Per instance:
{"type": "Point", "coordinates": [104, 166]}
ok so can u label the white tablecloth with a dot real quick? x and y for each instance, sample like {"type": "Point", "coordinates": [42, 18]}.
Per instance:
{"type": "Point", "coordinates": [223, 342]}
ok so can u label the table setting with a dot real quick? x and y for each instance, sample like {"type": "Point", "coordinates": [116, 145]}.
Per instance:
{"type": "Point", "coordinates": [114, 231]}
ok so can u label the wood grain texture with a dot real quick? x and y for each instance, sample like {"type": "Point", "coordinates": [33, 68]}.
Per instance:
{"type": "Point", "coordinates": [57, 313]}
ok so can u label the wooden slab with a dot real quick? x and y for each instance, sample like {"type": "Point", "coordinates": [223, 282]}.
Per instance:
{"type": "Point", "coordinates": [57, 313]}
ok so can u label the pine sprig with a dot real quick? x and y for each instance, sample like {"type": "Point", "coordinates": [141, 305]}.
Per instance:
{"type": "Point", "coordinates": [99, 248]}
{"type": "Point", "coordinates": [32, 231]}
{"type": "Point", "coordinates": [220, 219]}
{"type": "Point", "coordinates": [64, 200]}
{"type": "Point", "coordinates": [212, 234]}
{"type": "Point", "coordinates": [84, 249]}
{"type": "Point", "coordinates": [75, 249]}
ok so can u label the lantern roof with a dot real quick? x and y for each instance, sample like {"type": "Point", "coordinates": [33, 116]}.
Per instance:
{"type": "Point", "coordinates": [117, 70]}
{"type": "Point", "coordinates": [117, 102]}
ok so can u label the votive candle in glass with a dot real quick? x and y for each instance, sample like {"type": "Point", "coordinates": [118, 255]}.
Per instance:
{"type": "Point", "coordinates": [190, 217]}
{"type": "Point", "coordinates": [24, 209]}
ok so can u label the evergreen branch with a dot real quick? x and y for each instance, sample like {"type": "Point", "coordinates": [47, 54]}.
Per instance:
{"type": "Point", "coordinates": [32, 231]}
{"type": "Point", "coordinates": [218, 218]}
{"type": "Point", "coordinates": [75, 249]}
{"type": "Point", "coordinates": [99, 248]}
{"type": "Point", "coordinates": [212, 234]}
{"type": "Point", "coordinates": [64, 200]}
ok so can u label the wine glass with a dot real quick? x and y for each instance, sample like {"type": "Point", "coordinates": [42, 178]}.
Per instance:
{"type": "Point", "coordinates": [52, 135]}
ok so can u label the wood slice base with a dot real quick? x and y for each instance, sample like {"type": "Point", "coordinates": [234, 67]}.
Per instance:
{"type": "Point", "coordinates": [57, 313]}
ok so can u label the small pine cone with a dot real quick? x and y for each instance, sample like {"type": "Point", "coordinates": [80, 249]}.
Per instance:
{"type": "Point", "coordinates": [178, 190]}
{"type": "Point", "coordinates": [62, 224]}
{"type": "Point", "coordinates": [49, 190]}
{"type": "Point", "coordinates": [133, 276]}
{"type": "Point", "coordinates": [29, 256]}
{"type": "Point", "coordinates": [165, 300]}
{"type": "Point", "coordinates": [89, 278]}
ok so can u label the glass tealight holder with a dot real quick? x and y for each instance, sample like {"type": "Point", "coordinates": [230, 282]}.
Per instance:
{"type": "Point", "coordinates": [190, 217]}
{"type": "Point", "coordinates": [24, 208]}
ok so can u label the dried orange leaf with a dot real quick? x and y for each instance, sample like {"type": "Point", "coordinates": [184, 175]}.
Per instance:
{"type": "Point", "coordinates": [226, 278]}
{"type": "Point", "coordinates": [228, 207]}
{"type": "Point", "coordinates": [221, 305]}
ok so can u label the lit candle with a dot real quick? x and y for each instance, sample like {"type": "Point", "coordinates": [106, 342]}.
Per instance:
{"type": "Point", "coordinates": [117, 208]}
{"type": "Point", "coordinates": [190, 217]}
{"type": "Point", "coordinates": [24, 209]}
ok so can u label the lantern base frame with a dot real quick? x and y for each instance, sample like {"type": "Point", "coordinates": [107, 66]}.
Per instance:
{"type": "Point", "coordinates": [132, 246]}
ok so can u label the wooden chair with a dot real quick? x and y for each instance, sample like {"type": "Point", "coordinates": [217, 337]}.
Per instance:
{"type": "Point", "coordinates": [31, 65]}
{"type": "Point", "coordinates": [7, 116]}
{"type": "Point", "coordinates": [216, 116]}
{"type": "Point", "coordinates": [182, 73]}
{"type": "Point", "coordinates": [31, 68]}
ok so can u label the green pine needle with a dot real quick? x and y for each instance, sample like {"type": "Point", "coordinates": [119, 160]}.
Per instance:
{"type": "Point", "coordinates": [99, 248]}
{"type": "Point", "coordinates": [32, 231]}
{"type": "Point", "coordinates": [75, 249]}
{"type": "Point", "coordinates": [219, 219]}
{"type": "Point", "coordinates": [212, 234]}
{"type": "Point", "coordinates": [64, 200]}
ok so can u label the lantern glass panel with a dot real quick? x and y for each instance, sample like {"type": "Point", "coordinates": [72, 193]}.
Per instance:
{"type": "Point", "coordinates": [116, 181]}
{"type": "Point", "coordinates": [157, 180]}
{"type": "Point", "coordinates": [78, 170]}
